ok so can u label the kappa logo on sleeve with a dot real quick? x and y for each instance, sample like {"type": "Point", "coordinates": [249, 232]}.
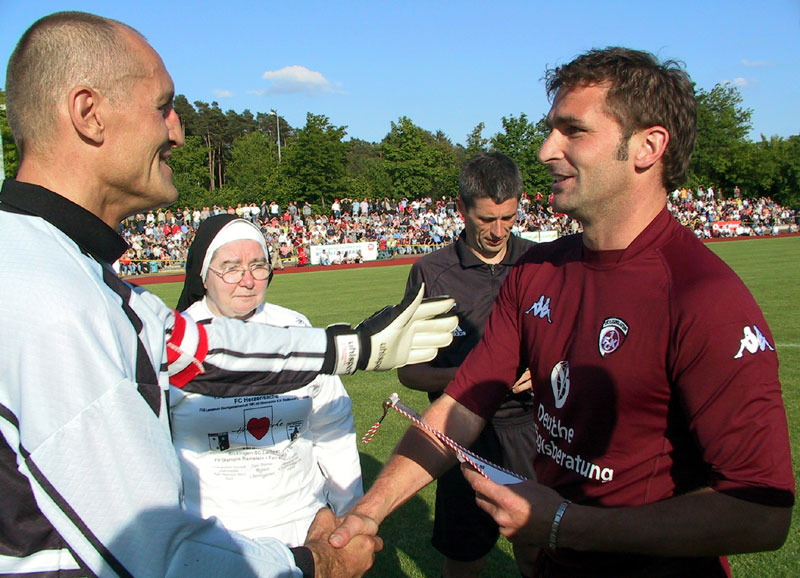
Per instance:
{"type": "Point", "coordinates": [753, 341]}
{"type": "Point", "coordinates": [541, 309]}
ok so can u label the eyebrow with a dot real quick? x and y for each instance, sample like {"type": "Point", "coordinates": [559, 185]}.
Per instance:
{"type": "Point", "coordinates": [491, 218]}
{"type": "Point", "coordinates": [166, 97]}
{"type": "Point", "coordinates": [564, 119]}
{"type": "Point", "coordinates": [238, 261]}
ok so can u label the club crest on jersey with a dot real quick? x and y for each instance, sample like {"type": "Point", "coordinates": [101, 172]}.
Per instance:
{"type": "Point", "coordinates": [753, 342]}
{"type": "Point", "coordinates": [559, 381]}
{"type": "Point", "coordinates": [612, 335]}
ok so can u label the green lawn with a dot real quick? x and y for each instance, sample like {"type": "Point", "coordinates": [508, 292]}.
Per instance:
{"type": "Point", "coordinates": [769, 267]}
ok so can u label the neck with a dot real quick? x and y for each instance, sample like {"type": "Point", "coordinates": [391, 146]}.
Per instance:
{"type": "Point", "coordinates": [618, 229]}
{"type": "Point", "coordinates": [212, 307]}
{"type": "Point", "coordinates": [73, 182]}
{"type": "Point", "coordinates": [494, 259]}
{"type": "Point", "coordinates": [247, 316]}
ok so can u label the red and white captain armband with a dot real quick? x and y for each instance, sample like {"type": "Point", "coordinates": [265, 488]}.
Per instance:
{"type": "Point", "coordinates": [187, 347]}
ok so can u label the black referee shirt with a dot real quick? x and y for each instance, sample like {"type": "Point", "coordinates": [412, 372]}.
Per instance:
{"type": "Point", "coordinates": [456, 271]}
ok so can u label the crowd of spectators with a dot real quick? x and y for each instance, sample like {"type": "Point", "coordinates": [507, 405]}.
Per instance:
{"type": "Point", "coordinates": [709, 214]}
{"type": "Point", "coordinates": [161, 238]}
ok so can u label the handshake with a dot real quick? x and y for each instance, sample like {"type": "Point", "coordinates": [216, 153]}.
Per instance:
{"type": "Point", "coordinates": [349, 561]}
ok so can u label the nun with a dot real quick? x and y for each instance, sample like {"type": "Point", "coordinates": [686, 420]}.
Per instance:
{"type": "Point", "coordinates": [263, 462]}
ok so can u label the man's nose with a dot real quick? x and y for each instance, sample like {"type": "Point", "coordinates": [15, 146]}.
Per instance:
{"type": "Point", "coordinates": [550, 149]}
{"type": "Point", "coordinates": [177, 135]}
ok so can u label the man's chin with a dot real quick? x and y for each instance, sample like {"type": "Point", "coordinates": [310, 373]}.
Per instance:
{"type": "Point", "coordinates": [169, 195]}
{"type": "Point", "coordinates": [559, 205]}
{"type": "Point", "coordinates": [489, 253]}
{"type": "Point", "coordinates": [494, 248]}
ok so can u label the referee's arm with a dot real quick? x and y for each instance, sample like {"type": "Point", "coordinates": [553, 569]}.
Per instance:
{"type": "Point", "coordinates": [426, 377]}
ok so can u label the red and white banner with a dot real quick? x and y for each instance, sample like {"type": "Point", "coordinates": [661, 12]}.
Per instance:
{"type": "Point", "coordinates": [729, 226]}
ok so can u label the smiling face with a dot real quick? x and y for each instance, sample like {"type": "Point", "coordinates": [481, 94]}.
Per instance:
{"type": "Point", "coordinates": [236, 299]}
{"type": "Point", "coordinates": [141, 130]}
{"type": "Point", "coordinates": [586, 154]}
{"type": "Point", "coordinates": [487, 226]}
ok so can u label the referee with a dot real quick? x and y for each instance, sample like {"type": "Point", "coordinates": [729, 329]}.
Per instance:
{"type": "Point", "coordinates": [471, 270]}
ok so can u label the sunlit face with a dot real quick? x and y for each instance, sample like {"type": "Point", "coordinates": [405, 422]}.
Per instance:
{"type": "Point", "coordinates": [236, 299]}
{"type": "Point", "coordinates": [583, 153]}
{"type": "Point", "coordinates": [141, 130]}
{"type": "Point", "coordinates": [487, 226]}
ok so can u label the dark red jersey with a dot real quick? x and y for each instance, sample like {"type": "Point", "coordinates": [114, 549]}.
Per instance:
{"type": "Point", "coordinates": [655, 372]}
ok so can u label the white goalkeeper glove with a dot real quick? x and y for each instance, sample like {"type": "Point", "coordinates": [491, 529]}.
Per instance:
{"type": "Point", "coordinates": [410, 332]}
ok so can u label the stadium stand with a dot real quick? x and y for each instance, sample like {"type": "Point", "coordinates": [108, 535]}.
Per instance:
{"type": "Point", "coordinates": [159, 240]}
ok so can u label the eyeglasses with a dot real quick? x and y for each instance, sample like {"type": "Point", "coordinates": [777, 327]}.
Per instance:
{"type": "Point", "coordinates": [234, 275]}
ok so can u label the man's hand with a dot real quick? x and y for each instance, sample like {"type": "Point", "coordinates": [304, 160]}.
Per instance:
{"type": "Point", "coordinates": [701, 523]}
{"type": "Point", "coordinates": [523, 383]}
{"type": "Point", "coordinates": [352, 526]}
{"type": "Point", "coordinates": [523, 511]}
{"type": "Point", "coordinates": [417, 460]}
{"type": "Point", "coordinates": [411, 332]}
{"type": "Point", "coordinates": [350, 560]}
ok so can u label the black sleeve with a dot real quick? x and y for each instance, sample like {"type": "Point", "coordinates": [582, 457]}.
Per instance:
{"type": "Point", "coordinates": [304, 560]}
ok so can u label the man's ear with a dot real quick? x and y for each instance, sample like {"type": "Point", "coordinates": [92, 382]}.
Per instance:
{"type": "Point", "coordinates": [652, 143]}
{"type": "Point", "coordinates": [462, 209]}
{"type": "Point", "coordinates": [87, 119]}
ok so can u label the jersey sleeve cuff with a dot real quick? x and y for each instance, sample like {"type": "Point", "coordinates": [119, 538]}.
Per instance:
{"type": "Point", "coordinates": [764, 496]}
{"type": "Point", "coordinates": [304, 559]}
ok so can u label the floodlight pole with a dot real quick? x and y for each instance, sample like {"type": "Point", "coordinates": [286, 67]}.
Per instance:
{"type": "Point", "coordinates": [2, 155]}
{"type": "Point", "coordinates": [278, 124]}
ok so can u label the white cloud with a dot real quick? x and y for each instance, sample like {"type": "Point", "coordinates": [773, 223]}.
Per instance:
{"type": "Point", "coordinates": [738, 81]}
{"type": "Point", "coordinates": [297, 79]}
{"type": "Point", "coordinates": [220, 93]}
{"type": "Point", "coordinates": [755, 63]}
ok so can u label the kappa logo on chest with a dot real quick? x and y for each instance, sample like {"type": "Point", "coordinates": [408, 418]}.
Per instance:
{"type": "Point", "coordinates": [541, 309]}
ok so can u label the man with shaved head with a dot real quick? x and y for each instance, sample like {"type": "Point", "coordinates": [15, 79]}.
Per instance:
{"type": "Point", "coordinates": [91, 481]}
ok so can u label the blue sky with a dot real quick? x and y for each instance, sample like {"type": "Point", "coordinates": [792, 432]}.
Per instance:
{"type": "Point", "coordinates": [445, 65]}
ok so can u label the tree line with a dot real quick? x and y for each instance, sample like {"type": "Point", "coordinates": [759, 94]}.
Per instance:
{"type": "Point", "coordinates": [231, 158]}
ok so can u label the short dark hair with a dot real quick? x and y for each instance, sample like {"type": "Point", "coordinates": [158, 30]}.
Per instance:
{"type": "Point", "coordinates": [490, 175]}
{"type": "Point", "coordinates": [642, 92]}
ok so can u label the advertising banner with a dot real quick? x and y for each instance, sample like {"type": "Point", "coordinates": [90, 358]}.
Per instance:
{"type": "Point", "coordinates": [338, 252]}
{"type": "Point", "coordinates": [540, 236]}
{"type": "Point", "coordinates": [726, 226]}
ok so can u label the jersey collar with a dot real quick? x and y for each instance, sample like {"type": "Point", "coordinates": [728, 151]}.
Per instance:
{"type": "Point", "coordinates": [83, 227]}
{"type": "Point", "coordinates": [655, 234]}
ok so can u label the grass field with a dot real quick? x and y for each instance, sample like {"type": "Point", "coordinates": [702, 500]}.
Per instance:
{"type": "Point", "coordinates": [769, 267]}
